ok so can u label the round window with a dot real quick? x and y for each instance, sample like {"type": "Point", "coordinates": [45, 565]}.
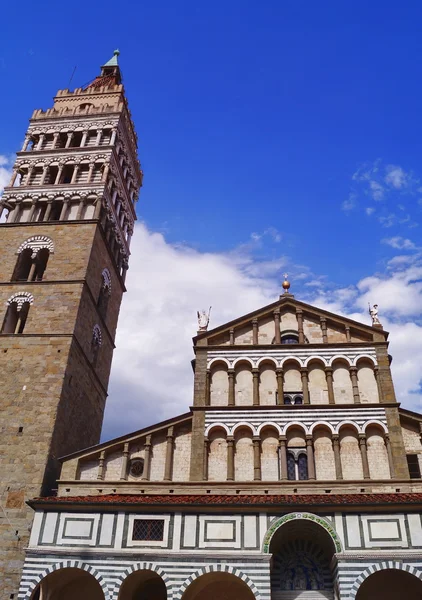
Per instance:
{"type": "Point", "coordinates": [136, 467]}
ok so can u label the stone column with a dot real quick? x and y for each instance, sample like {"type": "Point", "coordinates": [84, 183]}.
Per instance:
{"type": "Point", "coordinates": [64, 209]}
{"type": "Point", "coordinates": [25, 143]}
{"type": "Point", "coordinates": [231, 376]}
{"type": "Point", "coordinates": [48, 210]}
{"type": "Point", "coordinates": [348, 336]}
{"type": "Point", "coordinates": [364, 455]}
{"type": "Point", "coordinates": [255, 332]}
{"type": "Point", "coordinates": [98, 139]}
{"type": "Point", "coordinates": [80, 209]}
{"type": "Point", "coordinates": [277, 326]}
{"type": "Point", "coordinates": [105, 172]}
{"type": "Point", "coordinates": [280, 386]}
{"type": "Point", "coordinates": [256, 458]}
{"type": "Point", "coordinates": [377, 379]}
{"type": "Point", "coordinates": [123, 473]}
{"type": "Point", "coordinates": [282, 444]}
{"type": "Point", "coordinates": [299, 317]}
{"type": "Point", "coordinates": [330, 386]}
{"type": "Point", "coordinates": [75, 173]}
{"type": "Point", "coordinates": [231, 333]}
{"type": "Point", "coordinates": [83, 140]}
{"type": "Point", "coordinates": [55, 138]}
{"type": "Point", "coordinates": [323, 322]}
{"type": "Point", "coordinates": [354, 378]}
{"type": "Point", "coordinates": [208, 388]}
{"type": "Point", "coordinates": [337, 457]}
{"type": "Point", "coordinates": [206, 453]}
{"type": "Point", "coordinates": [13, 177]}
{"type": "Point", "coordinates": [40, 142]}
{"type": "Point", "coordinates": [32, 210]}
{"type": "Point", "coordinates": [168, 470]}
{"type": "Point", "coordinates": [310, 456]}
{"type": "Point", "coordinates": [147, 463]}
{"type": "Point", "coordinates": [230, 458]}
{"type": "Point", "coordinates": [255, 386]}
{"type": "Point", "coordinates": [305, 387]}
{"type": "Point", "coordinates": [113, 137]}
{"type": "Point", "coordinates": [100, 474]}
{"type": "Point", "coordinates": [29, 175]}
{"type": "Point", "coordinates": [59, 174]}
{"type": "Point", "coordinates": [90, 172]}
{"type": "Point", "coordinates": [44, 174]}
{"type": "Point", "coordinates": [389, 454]}
{"type": "Point", "coordinates": [98, 206]}
{"type": "Point", "coordinates": [32, 269]}
{"type": "Point", "coordinates": [69, 139]}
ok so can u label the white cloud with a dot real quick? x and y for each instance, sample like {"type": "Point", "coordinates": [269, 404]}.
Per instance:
{"type": "Point", "coordinates": [396, 177]}
{"type": "Point", "coordinates": [399, 243]}
{"type": "Point", "coordinates": [350, 203]}
{"type": "Point", "coordinates": [369, 210]}
{"type": "Point", "coordinates": [5, 171]}
{"type": "Point", "coordinates": [388, 220]}
{"type": "Point", "coordinates": [152, 377]}
{"type": "Point", "coordinates": [377, 190]}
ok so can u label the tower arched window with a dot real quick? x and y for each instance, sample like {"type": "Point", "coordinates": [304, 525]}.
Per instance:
{"type": "Point", "coordinates": [96, 342]}
{"type": "Point", "coordinates": [105, 293]}
{"type": "Point", "coordinates": [17, 313]}
{"type": "Point", "coordinates": [32, 259]}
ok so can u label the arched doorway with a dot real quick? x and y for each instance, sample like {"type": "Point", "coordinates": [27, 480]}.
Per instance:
{"type": "Point", "coordinates": [302, 551]}
{"type": "Point", "coordinates": [143, 585]}
{"type": "Point", "coordinates": [390, 584]}
{"type": "Point", "coordinates": [218, 585]}
{"type": "Point", "coordinates": [67, 584]}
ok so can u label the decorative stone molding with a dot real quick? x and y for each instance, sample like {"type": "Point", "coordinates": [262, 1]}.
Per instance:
{"type": "Point", "coordinates": [36, 243]}
{"type": "Point", "coordinates": [20, 298]}
{"type": "Point", "coordinates": [296, 516]}
{"type": "Point", "coordinates": [106, 285]}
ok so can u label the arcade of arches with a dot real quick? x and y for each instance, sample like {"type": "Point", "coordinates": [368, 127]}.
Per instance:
{"type": "Point", "coordinates": [67, 584]}
{"type": "Point", "coordinates": [390, 584]}
{"type": "Point", "coordinates": [223, 586]}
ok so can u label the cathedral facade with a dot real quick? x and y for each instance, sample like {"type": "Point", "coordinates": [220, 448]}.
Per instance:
{"type": "Point", "coordinates": [295, 474]}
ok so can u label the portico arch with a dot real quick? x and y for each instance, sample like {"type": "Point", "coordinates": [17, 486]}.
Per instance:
{"type": "Point", "coordinates": [226, 583]}
{"type": "Point", "coordinates": [68, 583]}
{"type": "Point", "coordinates": [302, 547]}
{"type": "Point", "coordinates": [143, 584]}
{"type": "Point", "coordinates": [389, 583]}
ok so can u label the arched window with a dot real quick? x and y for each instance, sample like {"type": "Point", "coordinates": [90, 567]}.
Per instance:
{"type": "Point", "coordinates": [96, 342]}
{"type": "Point", "coordinates": [105, 293]}
{"type": "Point", "coordinates": [293, 399]}
{"type": "Point", "coordinates": [32, 259]}
{"type": "Point", "coordinates": [17, 313]}
{"type": "Point", "coordinates": [297, 465]}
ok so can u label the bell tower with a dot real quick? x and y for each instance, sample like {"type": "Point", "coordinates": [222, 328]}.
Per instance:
{"type": "Point", "coordinates": [66, 220]}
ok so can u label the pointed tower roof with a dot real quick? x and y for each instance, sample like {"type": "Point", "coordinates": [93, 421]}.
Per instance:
{"type": "Point", "coordinates": [113, 62]}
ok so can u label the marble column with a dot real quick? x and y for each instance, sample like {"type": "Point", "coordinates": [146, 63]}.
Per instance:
{"type": "Point", "coordinates": [255, 332]}
{"type": "Point", "coordinates": [208, 388]}
{"type": "Point", "coordinates": [330, 386]}
{"type": "Point", "coordinates": [168, 469]}
{"type": "Point", "coordinates": [231, 333]}
{"type": "Point", "coordinates": [48, 210]}
{"type": "Point", "coordinates": [34, 203]}
{"type": "Point", "coordinates": [206, 453]}
{"type": "Point", "coordinates": [364, 455]}
{"type": "Point", "coordinates": [123, 472]}
{"type": "Point", "coordinates": [147, 461]}
{"type": "Point", "coordinates": [348, 336]}
{"type": "Point", "coordinates": [282, 444]}
{"type": "Point", "coordinates": [337, 457]}
{"type": "Point", "coordinates": [389, 454]}
{"type": "Point", "coordinates": [310, 456]}
{"type": "Point", "coordinates": [379, 386]}
{"type": "Point", "coordinates": [299, 317]}
{"type": "Point", "coordinates": [277, 326]}
{"type": "Point", "coordinates": [100, 474]}
{"type": "Point", "coordinates": [354, 378]}
{"type": "Point", "coordinates": [256, 458]}
{"type": "Point", "coordinates": [231, 376]}
{"type": "Point", "coordinates": [305, 386]}
{"type": "Point", "coordinates": [323, 322]}
{"type": "Point", "coordinates": [280, 386]}
{"type": "Point", "coordinates": [255, 386]}
{"type": "Point", "coordinates": [230, 458]}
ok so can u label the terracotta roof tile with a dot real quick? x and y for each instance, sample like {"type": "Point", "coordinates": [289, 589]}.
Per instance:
{"type": "Point", "coordinates": [237, 499]}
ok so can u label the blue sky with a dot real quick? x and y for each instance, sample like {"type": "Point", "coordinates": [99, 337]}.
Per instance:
{"type": "Point", "coordinates": [284, 135]}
